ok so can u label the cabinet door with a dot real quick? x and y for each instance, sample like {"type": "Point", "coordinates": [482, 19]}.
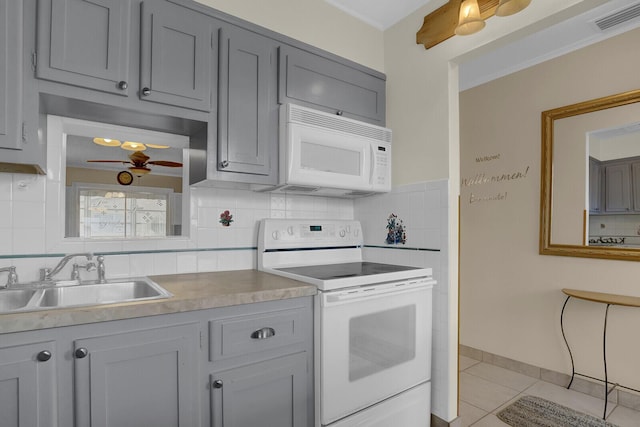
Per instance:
{"type": "Point", "coordinates": [27, 385]}
{"type": "Point", "coordinates": [595, 188]}
{"type": "Point", "coordinates": [10, 78]}
{"type": "Point", "coordinates": [141, 378]}
{"type": "Point", "coordinates": [635, 184]}
{"type": "Point", "coordinates": [247, 108]}
{"type": "Point", "coordinates": [85, 43]}
{"type": "Point", "coordinates": [266, 394]}
{"type": "Point", "coordinates": [618, 188]}
{"type": "Point", "coordinates": [316, 82]}
{"type": "Point", "coordinates": [176, 55]}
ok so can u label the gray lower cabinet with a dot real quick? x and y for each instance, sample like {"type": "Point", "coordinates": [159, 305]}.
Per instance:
{"type": "Point", "coordinates": [141, 378]}
{"type": "Point", "coordinates": [28, 393]}
{"type": "Point", "coordinates": [272, 393]}
{"type": "Point", "coordinates": [162, 371]}
{"type": "Point", "coordinates": [85, 43]}
{"type": "Point", "coordinates": [317, 82]}
{"type": "Point", "coordinates": [176, 55]}
{"type": "Point", "coordinates": [247, 103]}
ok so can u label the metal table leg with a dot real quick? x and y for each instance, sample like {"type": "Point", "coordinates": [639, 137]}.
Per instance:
{"type": "Point", "coordinates": [573, 367]}
{"type": "Point", "coordinates": [604, 358]}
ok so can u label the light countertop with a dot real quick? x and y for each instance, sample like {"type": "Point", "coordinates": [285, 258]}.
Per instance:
{"type": "Point", "coordinates": [192, 291]}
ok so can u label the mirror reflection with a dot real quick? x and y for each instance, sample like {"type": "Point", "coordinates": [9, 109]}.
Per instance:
{"type": "Point", "coordinates": [614, 186]}
{"type": "Point", "coordinates": [119, 187]}
{"type": "Point", "coordinates": [590, 202]}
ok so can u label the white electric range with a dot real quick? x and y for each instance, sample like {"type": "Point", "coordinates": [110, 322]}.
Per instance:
{"type": "Point", "coordinates": [372, 323]}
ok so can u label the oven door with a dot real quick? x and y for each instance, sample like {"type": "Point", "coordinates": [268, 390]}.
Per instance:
{"type": "Point", "coordinates": [375, 342]}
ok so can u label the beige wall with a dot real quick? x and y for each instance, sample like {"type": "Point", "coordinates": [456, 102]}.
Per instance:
{"type": "Point", "coordinates": [315, 22]}
{"type": "Point", "coordinates": [510, 297]}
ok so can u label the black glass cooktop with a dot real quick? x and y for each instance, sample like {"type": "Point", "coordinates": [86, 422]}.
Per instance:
{"type": "Point", "coordinates": [351, 269]}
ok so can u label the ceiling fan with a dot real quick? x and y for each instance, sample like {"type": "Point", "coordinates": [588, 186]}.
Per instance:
{"type": "Point", "coordinates": [139, 162]}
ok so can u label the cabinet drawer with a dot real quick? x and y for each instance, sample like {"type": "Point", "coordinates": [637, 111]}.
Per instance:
{"type": "Point", "coordinates": [251, 334]}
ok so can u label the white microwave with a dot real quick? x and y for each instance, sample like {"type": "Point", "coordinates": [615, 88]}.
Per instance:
{"type": "Point", "coordinates": [331, 155]}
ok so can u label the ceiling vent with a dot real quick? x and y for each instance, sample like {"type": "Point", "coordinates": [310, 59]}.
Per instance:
{"type": "Point", "coordinates": [618, 18]}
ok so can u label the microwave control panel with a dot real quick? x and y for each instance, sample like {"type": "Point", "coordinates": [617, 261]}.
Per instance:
{"type": "Point", "coordinates": [381, 176]}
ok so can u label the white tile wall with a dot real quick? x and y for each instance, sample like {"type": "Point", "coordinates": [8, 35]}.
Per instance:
{"type": "Point", "coordinates": [24, 199]}
{"type": "Point", "coordinates": [424, 209]}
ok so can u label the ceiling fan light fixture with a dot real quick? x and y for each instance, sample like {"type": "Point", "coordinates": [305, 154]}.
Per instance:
{"type": "Point", "coordinates": [157, 146]}
{"type": "Point", "coordinates": [511, 7]}
{"type": "Point", "coordinates": [138, 171]}
{"type": "Point", "coordinates": [469, 21]}
{"type": "Point", "coordinates": [107, 142]}
{"type": "Point", "coordinates": [133, 146]}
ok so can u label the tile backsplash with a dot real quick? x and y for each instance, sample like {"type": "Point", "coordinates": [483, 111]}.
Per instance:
{"type": "Point", "coordinates": [210, 247]}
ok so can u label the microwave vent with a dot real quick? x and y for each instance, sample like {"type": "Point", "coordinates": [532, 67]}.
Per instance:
{"type": "Point", "coordinates": [618, 18]}
{"type": "Point", "coordinates": [338, 123]}
{"type": "Point", "coordinates": [299, 188]}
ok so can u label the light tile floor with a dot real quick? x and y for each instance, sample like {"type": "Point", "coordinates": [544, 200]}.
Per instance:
{"type": "Point", "coordinates": [486, 389]}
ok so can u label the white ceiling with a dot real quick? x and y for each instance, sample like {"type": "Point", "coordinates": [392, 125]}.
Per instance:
{"type": "Point", "coordinates": [554, 41]}
{"type": "Point", "coordinates": [379, 13]}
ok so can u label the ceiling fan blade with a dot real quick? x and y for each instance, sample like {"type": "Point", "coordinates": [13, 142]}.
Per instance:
{"type": "Point", "coordinates": [108, 161]}
{"type": "Point", "coordinates": [165, 163]}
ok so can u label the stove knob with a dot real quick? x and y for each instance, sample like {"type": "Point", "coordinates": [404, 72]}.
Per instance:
{"type": "Point", "coordinates": [342, 233]}
{"type": "Point", "coordinates": [276, 235]}
{"type": "Point", "coordinates": [356, 232]}
{"type": "Point", "coordinates": [290, 231]}
{"type": "Point", "coordinates": [348, 229]}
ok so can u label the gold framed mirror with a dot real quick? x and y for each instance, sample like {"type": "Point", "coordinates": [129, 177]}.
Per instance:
{"type": "Point", "coordinates": [568, 218]}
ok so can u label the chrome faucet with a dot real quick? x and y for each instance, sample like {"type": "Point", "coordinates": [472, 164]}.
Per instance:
{"type": "Point", "coordinates": [101, 270]}
{"type": "Point", "coordinates": [12, 280]}
{"type": "Point", "coordinates": [46, 274]}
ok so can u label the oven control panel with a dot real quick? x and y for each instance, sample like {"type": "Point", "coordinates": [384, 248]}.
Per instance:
{"type": "Point", "coordinates": [290, 233]}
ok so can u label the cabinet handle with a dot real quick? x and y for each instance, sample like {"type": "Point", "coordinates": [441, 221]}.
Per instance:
{"type": "Point", "coordinates": [263, 334]}
{"type": "Point", "coordinates": [81, 353]}
{"type": "Point", "coordinates": [44, 355]}
{"type": "Point", "coordinates": [217, 384]}
{"type": "Point", "coordinates": [224, 164]}
{"type": "Point", "coordinates": [146, 91]}
{"type": "Point", "coordinates": [123, 85]}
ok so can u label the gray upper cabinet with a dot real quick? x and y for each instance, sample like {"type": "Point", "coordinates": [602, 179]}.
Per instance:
{"type": "Point", "coordinates": [247, 106]}
{"type": "Point", "coordinates": [317, 82]}
{"type": "Point", "coordinates": [176, 55]}
{"type": "Point", "coordinates": [140, 378]}
{"type": "Point", "coordinates": [27, 385]}
{"type": "Point", "coordinates": [10, 76]}
{"type": "Point", "coordinates": [595, 186]}
{"type": "Point", "coordinates": [85, 43]}
{"type": "Point", "coordinates": [617, 179]}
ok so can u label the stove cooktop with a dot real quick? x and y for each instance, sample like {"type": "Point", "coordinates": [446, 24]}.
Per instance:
{"type": "Point", "coordinates": [341, 271]}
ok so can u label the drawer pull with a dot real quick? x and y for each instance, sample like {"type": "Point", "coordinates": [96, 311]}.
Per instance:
{"type": "Point", "coordinates": [264, 333]}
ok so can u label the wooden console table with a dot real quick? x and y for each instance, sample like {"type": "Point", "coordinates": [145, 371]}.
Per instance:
{"type": "Point", "coordinates": [609, 300]}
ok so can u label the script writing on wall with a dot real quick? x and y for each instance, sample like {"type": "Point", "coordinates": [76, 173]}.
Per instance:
{"type": "Point", "coordinates": [484, 178]}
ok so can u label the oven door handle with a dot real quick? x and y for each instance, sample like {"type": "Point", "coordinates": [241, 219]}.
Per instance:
{"type": "Point", "coordinates": [263, 333]}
